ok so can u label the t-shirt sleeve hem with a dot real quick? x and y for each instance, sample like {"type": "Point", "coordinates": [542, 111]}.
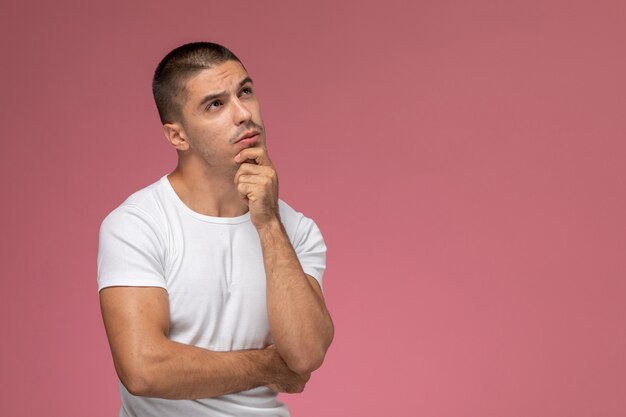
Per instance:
{"type": "Point", "coordinates": [315, 274]}
{"type": "Point", "coordinates": [125, 282]}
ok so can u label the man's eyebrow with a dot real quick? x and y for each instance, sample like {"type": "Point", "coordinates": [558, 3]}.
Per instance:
{"type": "Point", "coordinates": [213, 96]}
{"type": "Point", "coordinates": [245, 80]}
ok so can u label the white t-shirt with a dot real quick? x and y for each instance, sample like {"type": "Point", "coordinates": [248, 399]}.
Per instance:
{"type": "Point", "coordinates": [212, 269]}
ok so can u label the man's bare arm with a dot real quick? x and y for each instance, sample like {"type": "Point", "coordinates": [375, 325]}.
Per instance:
{"type": "Point", "coordinates": [301, 326]}
{"type": "Point", "coordinates": [149, 364]}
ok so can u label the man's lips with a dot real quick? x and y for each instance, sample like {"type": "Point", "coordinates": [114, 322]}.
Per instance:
{"type": "Point", "coordinates": [248, 138]}
{"type": "Point", "coordinates": [248, 141]}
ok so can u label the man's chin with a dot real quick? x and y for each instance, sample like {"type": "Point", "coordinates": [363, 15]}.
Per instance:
{"type": "Point", "coordinates": [232, 169]}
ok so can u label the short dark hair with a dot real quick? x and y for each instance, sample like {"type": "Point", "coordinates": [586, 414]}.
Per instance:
{"type": "Point", "coordinates": [172, 73]}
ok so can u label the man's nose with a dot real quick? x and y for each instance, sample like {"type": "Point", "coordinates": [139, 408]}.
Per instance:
{"type": "Point", "coordinates": [242, 114]}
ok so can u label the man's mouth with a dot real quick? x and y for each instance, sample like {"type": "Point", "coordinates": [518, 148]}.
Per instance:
{"type": "Point", "coordinates": [249, 137]}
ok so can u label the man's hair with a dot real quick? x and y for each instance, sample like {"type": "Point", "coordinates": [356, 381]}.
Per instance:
{"type": "Point", "coordinates": [176, 68]}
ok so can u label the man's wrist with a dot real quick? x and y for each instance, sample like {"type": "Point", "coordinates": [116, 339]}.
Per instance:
{"type": "Point", "coordinates": [267, 366]}
{"type": "Point", "coordinates": [271, 226]}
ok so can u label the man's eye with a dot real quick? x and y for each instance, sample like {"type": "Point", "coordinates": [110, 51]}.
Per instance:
{"type": "Point", "coordinates": [214, 104]}
{"type": "Point", "coordinates": [246, 90]}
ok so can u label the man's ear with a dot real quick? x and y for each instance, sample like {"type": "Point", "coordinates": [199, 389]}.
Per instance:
{"type": "Point", "coordinates": [175, 135]}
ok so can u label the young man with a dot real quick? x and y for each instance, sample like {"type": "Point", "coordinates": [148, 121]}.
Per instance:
{"type": "Point", "coordinates": [210, 285]}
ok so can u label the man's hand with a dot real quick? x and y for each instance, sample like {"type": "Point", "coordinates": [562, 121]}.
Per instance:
{"type": "Point", "coordinates": [284, 379]}
{"type": "Point", "coordinates": [257, 183]}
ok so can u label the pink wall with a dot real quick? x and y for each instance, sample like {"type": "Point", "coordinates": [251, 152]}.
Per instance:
{"type": "Point", "coordinates": [464, 160]}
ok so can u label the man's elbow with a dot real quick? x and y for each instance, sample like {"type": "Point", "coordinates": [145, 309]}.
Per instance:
{"type": "Point", "coordinates": [136, 380]}
{"type": "Point", "coordinates": [137, 387]}
{"type": "Point", "coordinates": [307, 363]}
{"type": "Point", "coordinates": [313, 360]}
{"type": "Point", "coordinates": [308, 357]}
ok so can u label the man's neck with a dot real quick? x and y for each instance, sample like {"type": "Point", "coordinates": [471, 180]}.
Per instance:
{"type": "Point", "coordinates": [207, 191]}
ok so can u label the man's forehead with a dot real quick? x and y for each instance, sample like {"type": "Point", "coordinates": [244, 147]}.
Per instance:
{"type": "Point", "coordinates": [221, 77]}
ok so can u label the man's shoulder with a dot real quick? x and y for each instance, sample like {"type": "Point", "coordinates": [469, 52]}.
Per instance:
{"type": "Point", "coordinates": [288, 213]}
{"type": "Point", "coordinates": [144, 203]}
{"type": "Point", "coordinates": [292, 219]}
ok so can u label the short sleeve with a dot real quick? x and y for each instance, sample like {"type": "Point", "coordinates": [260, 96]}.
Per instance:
{"type": "Point", "coordinates": [311, 249]}
{"type": "Point", "coordinates": [130, 250]}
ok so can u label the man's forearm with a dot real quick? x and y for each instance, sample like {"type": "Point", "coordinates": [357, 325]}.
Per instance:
{"type": "Point", "coordinates": [174, 370]}
{"type": "Point", "coordinates": [299, 321]}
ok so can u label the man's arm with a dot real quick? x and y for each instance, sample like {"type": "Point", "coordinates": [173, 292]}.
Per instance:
{"type": "Point", "coordinates": [149, 364]}
{"type": "Point", "coordinates": [301, 326]}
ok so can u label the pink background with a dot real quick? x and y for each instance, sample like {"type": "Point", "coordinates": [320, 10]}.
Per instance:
{"type": "Point", "coordinates": [464, 160]}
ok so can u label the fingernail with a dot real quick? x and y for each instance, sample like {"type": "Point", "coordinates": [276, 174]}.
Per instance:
{"type": "Point", "coordinates": [237, 157]}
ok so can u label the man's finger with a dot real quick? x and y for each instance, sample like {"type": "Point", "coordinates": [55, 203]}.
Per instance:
{"type": "Point", "coordinates": [252, 169]}
{"type": "Point", "coordinates": [244, 188]}
{"type": "Point", "coordinates": [258, 155]}
{"type": "Point", "coordinates": [253, 179]}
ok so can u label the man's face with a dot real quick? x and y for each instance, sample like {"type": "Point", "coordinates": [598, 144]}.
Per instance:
{"type": "Point", "coordinates": [220, 109]}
